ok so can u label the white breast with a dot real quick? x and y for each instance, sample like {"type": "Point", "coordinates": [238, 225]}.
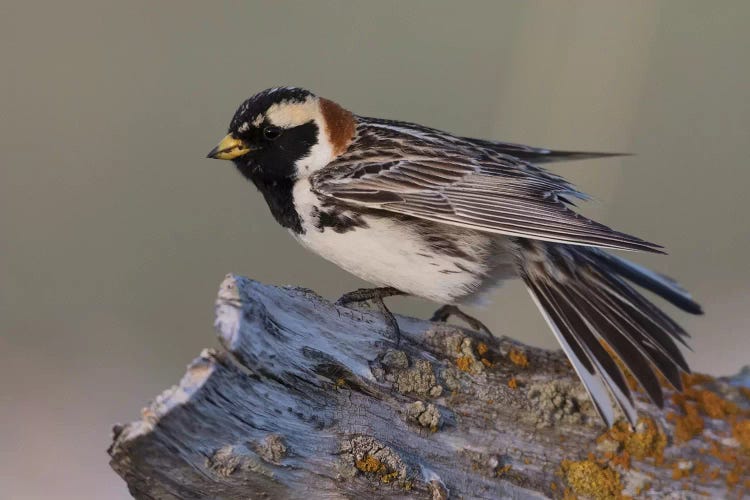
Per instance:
{"type": "Point", "coordinates": [390, 253]}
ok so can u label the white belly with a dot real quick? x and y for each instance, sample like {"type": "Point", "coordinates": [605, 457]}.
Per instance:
{"type": "Point", "coordinates": [388, 253]}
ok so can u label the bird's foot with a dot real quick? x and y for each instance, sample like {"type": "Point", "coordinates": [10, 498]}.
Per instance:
{"type": "Point", "coordinates": [445, 312]}
{"type": "Point", "coordinates": [376, 296]}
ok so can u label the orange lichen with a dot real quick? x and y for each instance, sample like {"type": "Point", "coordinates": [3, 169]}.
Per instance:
{"type": "Point", "coordinates": [688, 425]}
{"type": "Point", "coordinates": [713, 474]}
{"type": "Point", "coordinates": [482, 349]}
{"type": "Point", "coordinates": [591, 479]}
{"type": "Point", "coordinates": [464, 363]}
{"type": "Point", "coordinates": [679, 472]}
{"type": "Point", "coordinates": [486, 362]}
{"type": "Point", "coordinates": [701, 470]}
{"type": "Point", "coordinates": [518, 358]}
{"type": "Point", "coordinates": [502, 470]}
{"type": "Point", "coordinates": [513, 383]}
{"type": "Point", "coordinates": [741, 432]}
{"type": "Point", "coordinates": [724, 454]}
{"type": "Point", "coordinates": [739, 460]}
{"type": "Point", "coordinates": [702, 399]}
{"type": "Point", "coordinates": [711, 403]}
{"type": "Point", "coordinates": [619, 459]}
{"type": "Point", "coordinates": [370, 464]}
{"type": "Point", "coordinates": [683, 470]}
{"type": "Point", "coordinates": [643, 488]}
{"type": "Point", "coordinates": [734, 476]}
{"type": "Point", "coordinates": [691, 379]}
{"type": "Point", "coordinates": [387, 478]}
{"type": "Point", "coordinates": [648, 441]}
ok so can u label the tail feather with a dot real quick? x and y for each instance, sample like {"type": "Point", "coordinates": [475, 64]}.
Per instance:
{"type": "Point", "coordinates": [585, 348]}
{"type": "Point", "coordinates": [622, 343]}
{"type": "Point", "coordinates": [659, 284]}
{"type": "Point", "coordinates": [585, 300]}
{"type": "Point", "coordinates": [591, 379]}
{"type": "Point", "coordinates": [651, 328]}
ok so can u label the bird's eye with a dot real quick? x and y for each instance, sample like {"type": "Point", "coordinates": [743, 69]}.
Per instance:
{"type": "Point", "coordinates": [271, 132]}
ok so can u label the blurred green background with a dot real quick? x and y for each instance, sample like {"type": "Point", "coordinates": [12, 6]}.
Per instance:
{"type": "Point", "coordinates": [116, 231]}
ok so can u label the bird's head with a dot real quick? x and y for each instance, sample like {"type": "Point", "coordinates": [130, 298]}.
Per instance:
{"type": "Point", "coordinates": [285, 133]}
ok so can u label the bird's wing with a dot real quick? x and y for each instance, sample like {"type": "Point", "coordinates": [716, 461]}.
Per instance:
{"type": "Point", "coordinates": [538, 155]}
{"type": "Point", "coordinates": [488, 192]}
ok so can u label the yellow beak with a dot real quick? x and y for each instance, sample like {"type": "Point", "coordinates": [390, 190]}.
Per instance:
{"type": "Point", "coordinates": [229, 148]}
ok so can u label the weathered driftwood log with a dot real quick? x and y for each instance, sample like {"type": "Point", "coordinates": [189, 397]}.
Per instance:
{"type": "Point", "coordinates": [311, 400]}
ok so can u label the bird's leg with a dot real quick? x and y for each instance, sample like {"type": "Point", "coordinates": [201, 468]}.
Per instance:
{"type": "Point", "coordinates": [376, 296]}
{"type": "Point", "coordinates": [445, 312]}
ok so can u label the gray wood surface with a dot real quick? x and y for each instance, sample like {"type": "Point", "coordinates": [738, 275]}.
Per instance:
{"type": "Point", "coordinates": [312, 400]}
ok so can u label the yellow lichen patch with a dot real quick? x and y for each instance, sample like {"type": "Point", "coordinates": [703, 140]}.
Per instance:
{"type": "Point", "coordinates": [482, 349]}
{"type": "Point", "coordinates": [619, 459]}
{"type": "Point", "coordinates": [679, 472]}
{"type": "Point", "coordinates": [513, 383]}
{"type": "Point", "coordinates": [642, 489]}
{"type": "Point", "coordinates": [726, 455]}
{"type": "Point", "coordinates": [370, 464]}
{"type": "Point", "coordinates": [647, 441]}
{"type": "Point", "coordinates": [711, 403]}
{"type": "Point", "coordinates": [691, 379]}
{"type": "Point", "coordinates": [741, 432]}
{"type": "Point", "coordinates": [502, 470]}
{"type": "Point", "coordinates": [734, 476]}
{"type": "Point", "coordinates": [713, 474]}
{"type": "Point", "coordinates": [387, 478]}
{"type": "Point", "coordinates": [518, 358]}
{"type": "Point", "coordinates": [701, 470]}
{"type": "Point", "coordinates": [739, 461]}
{"type": "Point", "coordinates": [486, 362]}
{"type": "Point", "coordinates": [688, 425]}
{"type": "Point", "coordinates": [590, 479]}
{"type": "Point", "coordinates": [464, 363]}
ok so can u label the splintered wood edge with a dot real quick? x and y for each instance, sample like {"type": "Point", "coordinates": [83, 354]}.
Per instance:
{"type": "Point", "coordinates": [198, 372]}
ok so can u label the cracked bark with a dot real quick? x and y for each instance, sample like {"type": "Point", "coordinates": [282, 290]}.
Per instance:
{"type": "Point", "coordinates": [312, 400]}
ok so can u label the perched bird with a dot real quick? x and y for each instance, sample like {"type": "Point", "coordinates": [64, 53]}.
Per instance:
{"type": "Point", "coordinates": [417, 211]}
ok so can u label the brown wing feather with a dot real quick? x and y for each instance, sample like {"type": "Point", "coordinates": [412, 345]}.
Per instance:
{"type": "Point", "coordinates": [412, 172]}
